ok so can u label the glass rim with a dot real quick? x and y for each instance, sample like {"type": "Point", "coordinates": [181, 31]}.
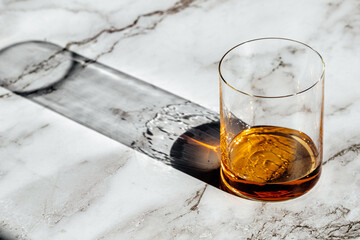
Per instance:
{"type": "Point", "coordinates": [273, 38]}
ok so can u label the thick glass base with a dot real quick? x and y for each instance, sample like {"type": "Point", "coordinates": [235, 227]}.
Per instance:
{"type": "Point", "coordinates": [269, 191]}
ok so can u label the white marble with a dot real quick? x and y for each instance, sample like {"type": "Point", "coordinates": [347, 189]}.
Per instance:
{"type": "Point", "coordinates": [60, 180]}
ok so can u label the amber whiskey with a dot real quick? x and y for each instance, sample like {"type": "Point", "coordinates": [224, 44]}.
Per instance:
{"type": "Point", "coordinates": [270, 163]}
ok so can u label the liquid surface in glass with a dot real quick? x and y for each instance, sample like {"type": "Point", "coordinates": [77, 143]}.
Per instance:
{"type": "Point", "coordinates": [267, 162]}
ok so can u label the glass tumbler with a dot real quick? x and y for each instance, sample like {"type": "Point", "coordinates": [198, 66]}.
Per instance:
{"type": "Point", "coordinates": [271, 109]}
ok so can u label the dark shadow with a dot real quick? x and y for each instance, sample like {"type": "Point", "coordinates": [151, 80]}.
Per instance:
{"type": "Point", "coordinates": [197, 153]}
{"type": "Point", "coordinates": [4, 236]}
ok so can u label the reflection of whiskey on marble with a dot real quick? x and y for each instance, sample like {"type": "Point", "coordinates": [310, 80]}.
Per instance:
{"type": "Point", "coordinates": [197, 153]}
{"type": "Point", "coordinates": [268, 162]}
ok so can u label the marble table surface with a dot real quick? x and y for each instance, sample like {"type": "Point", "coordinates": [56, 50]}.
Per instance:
{"type": "Point", "coordinates": [61, 180]}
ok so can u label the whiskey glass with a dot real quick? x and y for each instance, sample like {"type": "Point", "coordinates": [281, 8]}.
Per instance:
{"type": "Point", "coordinates": [271, 117]}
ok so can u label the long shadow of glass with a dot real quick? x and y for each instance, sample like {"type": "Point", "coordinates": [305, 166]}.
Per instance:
{"type": "Point", "coordinates": [142, 116]}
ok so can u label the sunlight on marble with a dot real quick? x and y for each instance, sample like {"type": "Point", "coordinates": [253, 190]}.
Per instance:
{"type": "Point", "coordinates": [61, 180]}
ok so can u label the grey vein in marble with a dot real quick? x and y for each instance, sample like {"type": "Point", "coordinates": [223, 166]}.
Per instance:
{"type": "Point", "coordinates": [150, 21]}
